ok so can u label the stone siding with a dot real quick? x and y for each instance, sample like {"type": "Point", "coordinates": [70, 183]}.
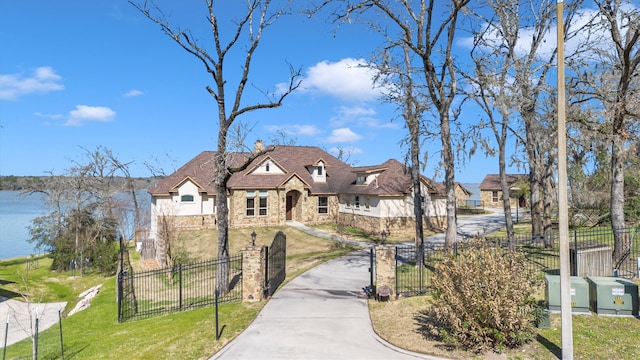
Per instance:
{"type": "Point", "coordinates": [376, 225]}
{"type": "Point", "coordinates": [192, 221]}
{"type": "Point", "coordinates": [486, 196]}
{"type": "Point", "coordinates": [253, 273]}
{"type": "Point", "coordinates": [386, 267]}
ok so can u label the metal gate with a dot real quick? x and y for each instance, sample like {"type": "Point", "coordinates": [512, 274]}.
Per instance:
{"type": "Point", "coordinates": [275, 263]}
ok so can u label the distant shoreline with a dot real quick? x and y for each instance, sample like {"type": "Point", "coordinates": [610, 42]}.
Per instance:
{"type": "Point", "coordinates": [20, 183]}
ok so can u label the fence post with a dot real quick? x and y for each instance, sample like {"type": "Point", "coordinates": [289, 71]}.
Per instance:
{"type": "Point", "coordinates": [60, 322]}
{"type": "Point", "coordinates": [386, 267]}
{"type": "Point", "coordinates": [180, 284]}
{"type": "Point", "coordinates": [371, 268]}
{"type": "Point", "coordinates": [119, 295]}
{"type": "Point", "coordinates": [253, 273]}
{"type": "Point", "coordinates": [217, 332]}
{"type": "Point", "coordinates": [35, 339]}
{"type": "Point", "coordinates": [6, 333]}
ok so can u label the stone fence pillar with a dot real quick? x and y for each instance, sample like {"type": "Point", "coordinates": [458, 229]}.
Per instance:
{"type": "Point", "coordinates": [252, 273]}
{"type": "Point", "coordinates": [386, 267]}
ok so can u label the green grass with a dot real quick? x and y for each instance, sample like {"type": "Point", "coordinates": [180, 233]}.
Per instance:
{"type": "Point", "coordinates": [594, 337]}
{"type": "Point", "coordinates": [22, 278]}
{"type": "Point", "coordinates": [95, 332]}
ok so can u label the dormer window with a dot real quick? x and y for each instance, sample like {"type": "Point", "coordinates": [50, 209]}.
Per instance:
{"type": "Point", "coordinates": [186, 198]}
{"type": "Point", "coordinates": [319, 170]}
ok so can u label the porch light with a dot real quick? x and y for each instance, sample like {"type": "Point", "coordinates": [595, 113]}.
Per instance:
{"type": "Point", "coordinates": [253, 238]}
{"type": "Point", "coordinates": [384, 236]}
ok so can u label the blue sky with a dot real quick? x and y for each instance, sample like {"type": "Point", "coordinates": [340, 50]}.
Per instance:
{"type": "Point", "coordinates": [77, 74]}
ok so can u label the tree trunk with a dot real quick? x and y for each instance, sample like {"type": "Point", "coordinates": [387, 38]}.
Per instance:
{"type": "Point", "coordinates": [222, 278]}
{"type": "Point", "coordinates": [506, 198]}
{"type": "Point", "coordinates": [621, 243]}
{"type": "Point", "coordinates": [417, 195]}
{"type": "Point", "coordinates": [449, 182]}
{"type": "Point", "coordinates": [547, 195]}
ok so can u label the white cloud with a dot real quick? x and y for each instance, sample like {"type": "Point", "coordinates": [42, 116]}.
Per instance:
{"type": "Point", "coordinates": [304, 130]}
{"type": "Point", "coordinates": [343, 135]}
{"type": "Point", "coordinates": [42, 80]}
{"type": "Point", "coordinates": [48, 116]}
{"type": "Point", "coordinates": [346, 152]}
{"type": "Point", "coordinates": [84, 113]}
{"type": "Point", "coordinates": [359, 116]}
{"type": "Point", "coordinates": [134, 93]}
{"type": "Point", "coordinates": [348, 79]}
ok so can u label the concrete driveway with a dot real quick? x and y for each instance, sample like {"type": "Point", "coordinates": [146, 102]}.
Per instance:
{"type": "Point", "coordinates": [321, 314]}
{"type": "Point", "coordinates": [21, 318]}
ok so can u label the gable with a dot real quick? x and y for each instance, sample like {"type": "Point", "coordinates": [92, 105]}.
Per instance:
{"type": "Point", "coordinates": [267, 166]}
{"type": "Point", "coordinates": [187, 185]}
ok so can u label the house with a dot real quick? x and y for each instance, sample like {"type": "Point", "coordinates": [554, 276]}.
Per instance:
{"type": "Point", "coordinates": [381, 199]}
{"type": "Point", "coordinates": [462, 193]}
{"type": "Point", "coordinates": [491, 192]}
{"type": "Point", "coordinates": [294, 183]}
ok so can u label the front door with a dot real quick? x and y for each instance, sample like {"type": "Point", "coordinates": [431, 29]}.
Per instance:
{"type": "Point", "coordinates": [289, 207]}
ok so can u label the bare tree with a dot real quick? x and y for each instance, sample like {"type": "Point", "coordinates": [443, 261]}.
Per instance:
{"type": "Point", "coordinates": [611, 76]}
{"type": "Point", "coordinates": [246, 34]}
{"type": "Point", "coordinates": [491, 87]}
{"type": "Point", "coordinates": [426, 29]}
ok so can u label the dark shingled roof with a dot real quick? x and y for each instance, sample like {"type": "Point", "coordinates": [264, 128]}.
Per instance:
{"type": "Point", "coordinates": [394, 178]}
{"type": "Point", "coordinates": [492, 181]}
{"type": "Point", "coordinates": [292, 159]}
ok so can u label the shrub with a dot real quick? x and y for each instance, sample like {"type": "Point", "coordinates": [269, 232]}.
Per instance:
{"type": "Point", "coordinates": [484, 299]}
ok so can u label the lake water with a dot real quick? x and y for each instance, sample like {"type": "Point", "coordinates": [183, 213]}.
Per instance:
{"type": "Point", "coordinates": [16, 213]}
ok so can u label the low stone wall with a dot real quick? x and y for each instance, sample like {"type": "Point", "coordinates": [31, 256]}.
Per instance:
{"type": "Point", "coordinates": [376, 225]}
{"type": "Point", "coordinates": [192, 221]}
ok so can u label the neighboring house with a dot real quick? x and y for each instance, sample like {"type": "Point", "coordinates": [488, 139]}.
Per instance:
{"type": "Point", "coordinates": [294, 183]}
{"type": "Point", "coordinates": [462, 193]}
{"type": "Point", "coordinates": [381, 199]}
{"type": "Point", "coordinates": [491, 192]}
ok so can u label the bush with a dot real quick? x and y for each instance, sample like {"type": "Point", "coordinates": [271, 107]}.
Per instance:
{"type": "Point", "coordinates": [484, 299]}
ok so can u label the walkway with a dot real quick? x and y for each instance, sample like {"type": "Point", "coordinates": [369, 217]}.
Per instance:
{"type": "Point", "coordinates": [20, 316]}
{"type": "Point", "coordinates": [321, 314]}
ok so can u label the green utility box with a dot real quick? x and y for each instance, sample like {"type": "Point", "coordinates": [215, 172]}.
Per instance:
{"type": "Point", "coordinates": [579, 293]}
{"type": "Point", "coordinates": [611, 295]}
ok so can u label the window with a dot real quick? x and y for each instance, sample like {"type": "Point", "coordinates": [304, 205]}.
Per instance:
{"type": "Point", "coordinates": [366, 203]}
{"type": "Point", "coordinates": [494, 196]}
{"type": "Point", "coordinates": [320, 170]}
{"type": "Point", "coordinates": [266, 167]}
{"type": "Point", "coordinates": [323, 205]}
{"type": "Point", "coordinates": [357, 201]}
{"type": "Point", "coordinates": [251, 203]}
{"type": "Point", "coordinates": [186, 198]}
{"type": "Point", "coordinates": [262, 203]}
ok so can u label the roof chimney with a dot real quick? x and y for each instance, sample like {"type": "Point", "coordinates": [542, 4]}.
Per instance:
{"type": "Point", "coordinates": [258, 146]}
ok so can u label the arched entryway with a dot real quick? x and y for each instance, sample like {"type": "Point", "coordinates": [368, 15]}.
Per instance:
{"type": "Point", "coordinates": [292, 200]}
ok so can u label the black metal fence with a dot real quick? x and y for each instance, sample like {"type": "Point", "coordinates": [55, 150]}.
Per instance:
{"type": "Point", "coordinates": [275, 263]}
{"type": "Point", "coordinates": [592, 248]}
{"type": "Point", "coordinates": [181, 287]}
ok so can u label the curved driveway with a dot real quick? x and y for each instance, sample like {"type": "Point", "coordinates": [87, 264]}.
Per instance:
{"type": "Point", "coordinates": [321, 314]}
